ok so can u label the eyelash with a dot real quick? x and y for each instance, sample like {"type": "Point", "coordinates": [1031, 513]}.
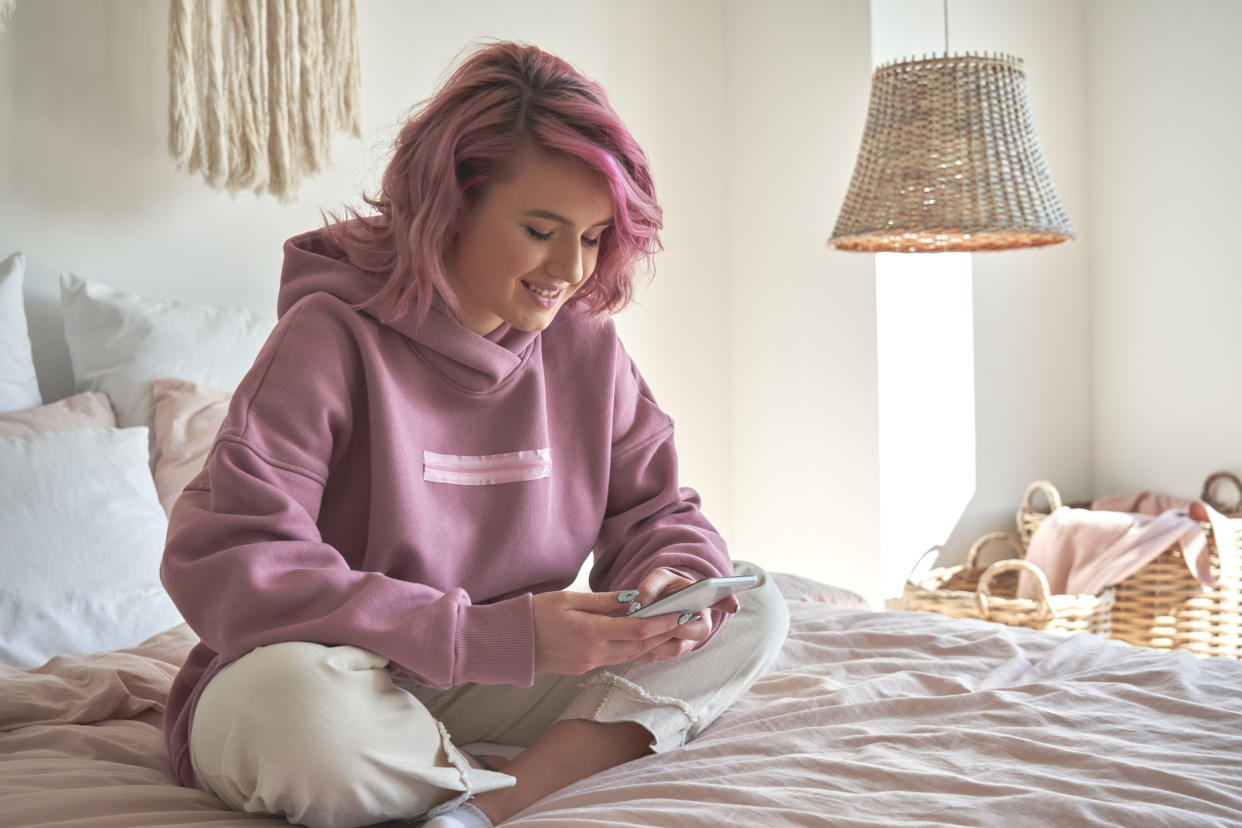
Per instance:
{"type": "Point", "coordinates": [535, 234]}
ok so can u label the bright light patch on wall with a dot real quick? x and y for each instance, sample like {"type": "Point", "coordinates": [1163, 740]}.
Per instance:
{"type": "Point", "coordinates": [926, 367]}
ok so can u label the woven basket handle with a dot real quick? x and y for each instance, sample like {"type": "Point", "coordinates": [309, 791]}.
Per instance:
{"type": "Point", "coordinates": [984, 590]}
{"type": "Point", "coordinates": [972, 557]}
{"type": "Point", "coordinates": [1049, 492]}
{"type": "Point", "coordinates": [919, 563]}
{"type": "Point", "coordinates": [1209, 498]}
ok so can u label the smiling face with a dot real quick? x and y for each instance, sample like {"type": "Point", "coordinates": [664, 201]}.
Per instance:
{"type": "Point", "coordinates": [528, 244]}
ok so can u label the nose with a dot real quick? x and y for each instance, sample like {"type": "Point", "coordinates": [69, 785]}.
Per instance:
{"type": "Point", "coordinates": [568, 264]}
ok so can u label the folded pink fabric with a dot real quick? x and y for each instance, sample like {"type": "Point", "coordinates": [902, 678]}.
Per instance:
{"type": "Point", "coordinates": [1086, 550]}
{"type": "Point", "coordinates": [1145, 502]}
{"type": "Point", "coordinates": [1223, 528]}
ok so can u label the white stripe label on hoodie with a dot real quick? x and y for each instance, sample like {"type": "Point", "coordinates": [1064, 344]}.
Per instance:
{"type": "Point", "coordinates": [487, 469]}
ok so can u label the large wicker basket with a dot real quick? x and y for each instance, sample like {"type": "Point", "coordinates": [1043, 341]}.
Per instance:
{"type": "Point", "coordinates": [970, 591]}
{"type": "Point", "coordinates": [1163, 605]}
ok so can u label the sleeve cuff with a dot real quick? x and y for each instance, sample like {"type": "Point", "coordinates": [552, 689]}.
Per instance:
{"type": "Point", "coordinates": [496, 643]}
{"type": "Point", "coordinates": [688, 574]}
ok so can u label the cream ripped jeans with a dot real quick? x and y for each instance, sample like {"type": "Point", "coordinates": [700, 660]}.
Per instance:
{"type": "Point", "coordinates": [322, 735]}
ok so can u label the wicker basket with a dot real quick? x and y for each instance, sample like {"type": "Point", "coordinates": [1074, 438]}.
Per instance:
{"type": "Point", "coordinates": [1163, 605]}
{"type": "Point", "coordinates": [968, 591]}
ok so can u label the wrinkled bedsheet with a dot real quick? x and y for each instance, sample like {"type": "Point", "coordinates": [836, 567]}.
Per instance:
{"type": "Point", "coordinates": [866, 719]}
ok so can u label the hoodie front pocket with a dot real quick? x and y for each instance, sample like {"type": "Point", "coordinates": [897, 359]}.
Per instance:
{"type": "Point", "coordinates": [487, 469]}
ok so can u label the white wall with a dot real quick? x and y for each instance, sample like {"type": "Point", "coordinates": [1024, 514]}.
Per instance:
{"type": "Point", "coordinates": [86, 185]}
{"type": "Point", "coordinates": [803, 324]}
{"type": "Point", "coordinates": [1167, 278]}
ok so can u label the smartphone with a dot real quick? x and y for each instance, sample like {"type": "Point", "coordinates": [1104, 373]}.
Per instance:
{"type": "Point", "coordinates": [699, 595]}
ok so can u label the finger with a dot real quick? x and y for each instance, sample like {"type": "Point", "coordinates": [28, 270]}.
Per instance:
{"type": "Point", "coordinates": [690, 626]}
{"type": "Point", "coordinates": [645, 629]}
{"type": "Point", "coordinates": [669, 649]}
{"type": "Point", "coordinates": [660, 582]}
{"type": "Point", "coordinates": [696, 629]}
{"type": "Point", "coordinates": [640, 629]}
{"type": "Point", "coordinates": [601, 603]}
{"type": "Point", "coordinates": [727, 604]}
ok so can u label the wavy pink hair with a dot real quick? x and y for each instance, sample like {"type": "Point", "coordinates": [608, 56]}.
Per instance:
{"type": "Point", "coordinates": [504, 100]}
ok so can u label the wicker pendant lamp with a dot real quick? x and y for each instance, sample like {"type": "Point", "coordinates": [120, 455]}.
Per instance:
{"type": "Point", "coordinates": [950, 162]}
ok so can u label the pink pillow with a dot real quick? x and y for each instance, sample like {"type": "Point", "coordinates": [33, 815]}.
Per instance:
{"type": "Point", "coordinates": [801, 588]}
{"type": "Point", "coordinates": [90, 409]}
{"type": "Point", "coordinates": [187, 417]}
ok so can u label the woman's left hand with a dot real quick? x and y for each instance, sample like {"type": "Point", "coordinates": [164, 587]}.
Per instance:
{"type": "Point", "coordinates": [661, 582]}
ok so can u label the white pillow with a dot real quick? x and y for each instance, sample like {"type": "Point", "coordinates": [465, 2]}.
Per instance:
{"type": "Point", "coordinates": [120, 342]}
{"type": "Point", "coordinates": [83, 536]}
{"type": "Point", "coordinates": [19, 387]}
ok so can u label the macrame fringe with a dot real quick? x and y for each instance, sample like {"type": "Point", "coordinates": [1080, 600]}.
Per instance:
{"type": "Point", "coordinates": [7, 8]}
{"type": "Point", "coordinates": [258, 88]}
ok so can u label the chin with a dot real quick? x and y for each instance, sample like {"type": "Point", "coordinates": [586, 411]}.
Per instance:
{"type": "Point", "coordinates": [532, 324]}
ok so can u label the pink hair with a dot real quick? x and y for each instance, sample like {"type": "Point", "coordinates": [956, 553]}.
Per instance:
{"type": "Point", "coordinates": [505, 99]}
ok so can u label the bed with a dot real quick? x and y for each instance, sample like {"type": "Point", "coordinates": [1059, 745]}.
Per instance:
{"type": "Point", "coordinates": [867, 718]}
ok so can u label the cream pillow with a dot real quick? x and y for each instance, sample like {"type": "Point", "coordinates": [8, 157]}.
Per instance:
{"type": "Point", "coordinates": [87, 410]}
{"type": "Point", "coordinates": [187, 417]}
{"type": "Point", "coordinates": [120, 342]}
{"type": "Point", "coordinates": [19, 388]}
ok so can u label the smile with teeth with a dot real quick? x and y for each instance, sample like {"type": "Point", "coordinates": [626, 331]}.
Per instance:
{"type": "Point", "coordinates": [539, 291]}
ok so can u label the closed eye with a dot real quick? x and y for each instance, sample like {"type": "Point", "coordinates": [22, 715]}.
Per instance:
{"type": "Point", "coordinates": [535, 234]}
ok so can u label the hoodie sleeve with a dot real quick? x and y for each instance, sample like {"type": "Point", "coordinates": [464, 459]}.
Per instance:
{"type": "Point", "coordinates": [650, 521]}
{"type": "Point", "coordinates": [244, 560]}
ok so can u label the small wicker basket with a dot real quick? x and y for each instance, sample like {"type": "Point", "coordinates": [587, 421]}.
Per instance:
{"type": "Point", "coordinates": [969, 591]}
{"type": "Point", "coordinates": [1163, 605]}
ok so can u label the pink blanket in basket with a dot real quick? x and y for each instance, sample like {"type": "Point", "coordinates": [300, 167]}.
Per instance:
{"type": "Point", "coordinates": [1086, 550]}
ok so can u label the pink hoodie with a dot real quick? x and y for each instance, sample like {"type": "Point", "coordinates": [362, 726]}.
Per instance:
{"type": "Point", "coordinates": [406, 488]}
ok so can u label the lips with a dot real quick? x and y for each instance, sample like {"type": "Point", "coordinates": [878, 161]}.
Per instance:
{"type": "Point", "coordinates": [544, 295]}
{"type": "Point", "coordinates": [541, 289]}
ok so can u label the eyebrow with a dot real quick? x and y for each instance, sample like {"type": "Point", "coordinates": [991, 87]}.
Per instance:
{"type": "Point", "coordinates": [548, 214]}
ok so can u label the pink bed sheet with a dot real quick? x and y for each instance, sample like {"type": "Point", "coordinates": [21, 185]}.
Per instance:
{"type": "Point", "coordinates": [867, 719]}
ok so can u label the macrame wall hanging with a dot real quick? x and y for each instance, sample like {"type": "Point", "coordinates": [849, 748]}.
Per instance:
{"type": "Point", "coordinates": [259, 87]}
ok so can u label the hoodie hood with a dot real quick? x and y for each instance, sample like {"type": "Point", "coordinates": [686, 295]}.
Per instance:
{"type": "Point", "coordinates": [474, 362]}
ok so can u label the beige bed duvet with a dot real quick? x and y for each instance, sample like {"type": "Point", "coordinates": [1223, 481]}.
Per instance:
{"type": "Point", "coordinates": [866, 719]}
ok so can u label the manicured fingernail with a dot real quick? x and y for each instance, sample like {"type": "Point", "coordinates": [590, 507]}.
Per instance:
{"type": "Point", "coordinates": [684, 617]}
{"type": "Point", "coordinates": [634, 607]}
{"type": "Point", "coordinates": [697, 618]}
{"type": "Point", "coordinates": [626, 595]}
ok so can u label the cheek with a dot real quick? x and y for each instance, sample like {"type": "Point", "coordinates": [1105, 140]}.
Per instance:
{"type": "Point", "coordinates": [495, 265]}
{"type": "Point", "coordinates": [512, 259]}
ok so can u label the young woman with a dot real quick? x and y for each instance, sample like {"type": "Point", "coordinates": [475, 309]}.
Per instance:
{"type": "Point", "coordinates": [441, 428]}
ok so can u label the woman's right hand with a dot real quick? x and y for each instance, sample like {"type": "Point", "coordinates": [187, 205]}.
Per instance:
{"type": "Point", "coordinates": [575, 632]}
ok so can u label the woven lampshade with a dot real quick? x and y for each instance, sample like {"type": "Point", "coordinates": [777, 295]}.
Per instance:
{"type": "Point", "coordinates": [950, 162]}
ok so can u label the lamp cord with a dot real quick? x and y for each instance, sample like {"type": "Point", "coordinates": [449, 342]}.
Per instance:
{"type": "Point", "coordinates": [946, 28]}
